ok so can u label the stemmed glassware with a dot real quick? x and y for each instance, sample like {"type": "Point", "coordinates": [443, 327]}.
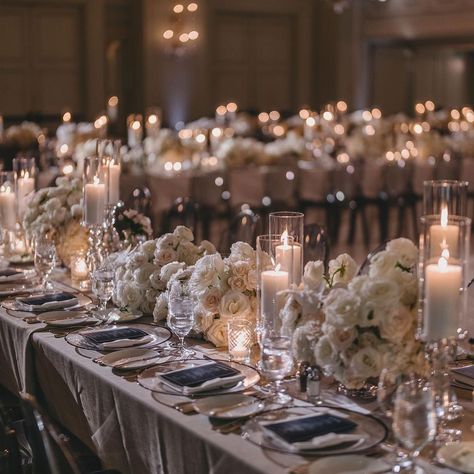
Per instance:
{"type": "Point", "coordinates": [103, 284]}
{"type": "Point", "coordinates": [181, 316]}
{"type": "Point", "coordinates": [45, 260]}
{"type": "Point", "coordinates": [414, 418]}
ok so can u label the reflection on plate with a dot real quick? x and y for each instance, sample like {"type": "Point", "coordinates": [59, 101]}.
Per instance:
{"type": "Point", "coordinates": [229, 406]}
{"type": "Point", "coordinates": [349, 464]}
{"type": "Point", "coordinates": [116, 315]}
{"type": "Point", "coordinates": [150, 379]}
{"type": "Point", "coordinates": [459, 456]}
{"type": "Point", "coordinates": [159, 335]}
{"type": "Point", "coordinates": [62, 318]}
{"type": "Point", "coordinates": [371, 430]}
{"type": "Point", "coordinates": [131, 359]}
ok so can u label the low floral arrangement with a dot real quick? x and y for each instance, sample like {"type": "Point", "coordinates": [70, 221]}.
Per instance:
{"type": "Point", "coordinates": [24, 135]}
{"type": "Point", "coordinates": [353, 325]}
{"type": "Point", "coordinates": [238, 152]}
{"type": "Point", "coordinates": [224, 288]}
{"type": "Point", "coordinates": [143, 273]}
{"type": "Point", "coordinates": [130, 224]}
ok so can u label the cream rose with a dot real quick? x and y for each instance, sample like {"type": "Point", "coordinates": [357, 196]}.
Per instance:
{"type": "Point", "coordinates": [156, 282]}
{"type": "Point", "coordinates": [340, 338]}
{"type": "Point", "coordinates": [160, 311]}
{"type": "Point", "coordinates": [183, 233]}
{"type": "Point", "coordinates": [143, 273]}
{"type": "Point", "coordinates": [210, 299]}
{"type": "Point", "coordinates": [166, 240]}
{"type": "Point", "coordinates": [234, 304]}
{"type": "Point", "coordinates": [203, 321]}
{"type": "Point", "coordinates": [169, 270]}
{"type": "Point", "coordinates": [303, 341]}
{"type": "Point", "coordinates": [341, 307]}
{"type": "Point", "coordinates": [325, 355]}
{"type": "Point", "coordinates": [148, 248]}
{"type": "Point", "coordinates": [165, 255]}
{"type": "Point", "coordinates": [342, 269]}
{"type": "Point", "coordinates": [365, 363]}
{"type": "Point", "coordinates": [217, 333]}
{"type": "Point", "coordinates": [313, 274]}
{"type": "Point", "coordinates": [396, 324]}
{"type": "Point", "coordinates": [132, 295]}
{"type": "Point", "coordinates": [237, 283]}
{"type": "Point", "coordinates": [405, 250]}
{"type": "Point", "coordinates": [207, 248]}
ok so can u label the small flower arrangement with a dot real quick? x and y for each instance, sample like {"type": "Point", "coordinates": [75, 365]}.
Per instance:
{"type": "Point", "coordinates": [142, 274]}
{"type": "Point", "coordinates": [365, 322]}
{"type": "Point", "coordinates": [130, 223]}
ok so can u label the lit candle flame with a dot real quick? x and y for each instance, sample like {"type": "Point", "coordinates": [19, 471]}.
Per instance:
{"type": "Point", "coordinates": [96, 180]}
{"type": "Point", "coordinates": [445, 253]}
{"type": "Point", "coordinates": [284, 238]}
{"type": "Point", "coordinates": [277, 268]}
{"type": "Point", "coordinates": [443, 263]}
{"type": "Point", "coordinates": [444, 216]}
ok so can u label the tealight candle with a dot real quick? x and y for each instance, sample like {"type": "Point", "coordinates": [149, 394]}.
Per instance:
{"type": "Point", "coordinates": [94, 200]}
{"type": "Point", "coordinates": [442, 300]}
{"type": "Point", "coordinates": [444, 236]}
{"type": "Point", "coordinates": [79, 269]}
{"type": "Point", "coordinates": [239, 339]}
{"type": "Point", "coordinates": [7, 208]}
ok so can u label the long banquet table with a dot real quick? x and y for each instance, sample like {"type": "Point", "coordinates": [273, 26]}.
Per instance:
{"type": "Point", "coordinates": [119, 419]}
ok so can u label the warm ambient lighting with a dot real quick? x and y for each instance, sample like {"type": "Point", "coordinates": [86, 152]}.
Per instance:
{"type": "Point", "coordinates": [152, 119]}
{"type": "Point", "coordinates": [184, 38]}
{"type": "Point", "coordinates": [113, 101]}
{"type": "Point", "coordinates": [192, 7]}
{"type": "Point", "coordinates": [341, 106]}
{"type": "Point", "coordinates": [178, 8]}
{"type": "Point", "coordinates": [193, 35]}
{"type": "Point", "coordinates": [231, 107]}
{"type": "Point", "coordinates": [67, 117]}
{"type": "Point", "coordinates": [263, 117]}
{"type": "Point", "coordinates": [419, 108]}
{"type": "Point", "coordinates": [168, 34]}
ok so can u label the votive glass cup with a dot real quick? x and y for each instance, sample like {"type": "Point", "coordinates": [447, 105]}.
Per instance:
{"type": "Point", "coordinates": [240, 339]}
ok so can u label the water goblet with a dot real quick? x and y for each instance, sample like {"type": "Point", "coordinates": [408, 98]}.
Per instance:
{"type": "Point", "coordinates": [414, 419]}
{"type": "Point", "coordinates": [44, 260]}
{"type": "Point", "coordinates": [103, 285]}
{"type": "Point", "coordinates": [276, 364]}
{"type": "Point", "coordinates": [181, 316]}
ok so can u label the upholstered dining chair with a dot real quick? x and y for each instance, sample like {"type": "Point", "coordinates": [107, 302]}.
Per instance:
{"type": "Point", "coordinates": [183, 212]}
{"type": "Point", "coordinates": [141, 200]}
{"type": "Point", "coordinates": [244, 227]}
{"type": "Point", "coordinates": [315, 244]}
{"type": "Point", "coordinates": [10, 457]}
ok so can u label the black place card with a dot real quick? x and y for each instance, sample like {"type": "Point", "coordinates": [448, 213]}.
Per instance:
{"type": "Point", "coordinates": [9, 272]}
{"type": "Point", "coordinates": [195, 376]}
{"type": "Point", "coordinates": [302, 429]}
{"type": "Point", "coordinates": [49, 298]}
{"type": "Point", "coordinates": [110, 335]}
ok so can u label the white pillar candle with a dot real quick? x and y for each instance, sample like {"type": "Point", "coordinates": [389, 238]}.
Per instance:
{"type": "Point", "coordinates": [94, 200]}
{"type": "Point", "coordinates": [442, 300]}
{"type": "Point", "coordinates": [114, 184]}
{"type": "Point", "coordinates": [273, 281]}
{"type": "Point", "coordinates": [444, 236]}
{"type": "Point", "coordinates": [7, 208]}
{"type": "Point", "coordinates": [24, 186]}
{"type": "Point", "coordinates": [288, 256]}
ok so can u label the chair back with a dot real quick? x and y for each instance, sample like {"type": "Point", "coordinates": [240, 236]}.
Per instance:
{"type": "Point", "coordinates": [50, 453]}
{"type": "Point", "coordinates": [183, 212]}
{"type": "Point", "coordinates": [314, 184]}
{"type": "Point", "coordinates": [10, 459]}
{"type": "Point", "coordinates": [315, 244]}
{"type": "Point", "coordinates": [244, 227]}
{"type": "Point", "coordinates": [141, 200]}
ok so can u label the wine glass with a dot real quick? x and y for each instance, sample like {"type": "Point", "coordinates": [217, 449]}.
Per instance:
{"type": "Point", "coordinates": [103, 285]}
{"type": "Point", "coordinates": [45, 260]}
{"type": "Point", "coordinates": [414, 417]}
{"type": "Point", "coordinates": [181, 303]}
{"type": "Point", "coordinates": [276, 364]}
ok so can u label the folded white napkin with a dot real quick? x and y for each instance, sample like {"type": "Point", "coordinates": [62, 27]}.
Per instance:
{"type": "Point", "coordinates": [207, 386]}
{"type": "Point", "coordinates": [122, 343]}
{"type": "Point", "coordinates": [50, 305]}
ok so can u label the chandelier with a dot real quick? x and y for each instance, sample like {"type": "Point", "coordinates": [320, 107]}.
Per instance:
{"type": "Point", "coordinates": [181, 35]}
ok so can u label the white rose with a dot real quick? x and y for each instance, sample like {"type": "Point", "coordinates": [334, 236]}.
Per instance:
{"type": "Point", "coordinates": [210, 299]}
{"type": "Point", "coordinates": [234, 304]}
{"type": "Point", "coordinates": [169, 270]}
{"type": "Point", "coordinates": [395, 324]}
{"type": "Point", "coordinates": [237, 283]}
{"type": "Point", "coordinates": [76, 210]}
{"type": "Point", "coordinates": [156, 282]}
{"type": "Point", "coordinates": [160, 311]}
{"type": "Point", "coordinates": [217, 333]}
{"type": "Point", "coordinates": [242, 251]}
{"type": "Point", "coordinates": [183, 233]}
{"type": "Point", "coordinates": [147, 306]}
{"type": "Point", "coordinates": [325, 355]}
{"type": "Point", "coordinates": [165, 255]}
{"type": "Point", "coordinates": [62, 182]}
{"type": "Point", "coordinates": [251, 280]}
{"type": "Point", "coordinates": [207, 248]}
{"type": "Point", "coordinates": [313, 274]}
{"type": "Point", "coordinates": [407, 285]}
{"type": "Point", "coordinates": [343, 269]}
{"type": "Point", "coordinates": [290, 314]}
{"type": "Point", "coordinates": [365, 363]}
{"type": "Point", "coordinates": [378, 296]}
{"type": "Point", "coordinates": [117, 296]}
{"type": "Point", "coordinates": [405, 250]}
{"type": "Point", "coordinates": [137, 259]}
{"type": "Point", "coordinates": [59, 216]}
{"type": "Point", "coordinates": [74, 198]}
{"type": "Point", "coordinates": [132, 295]}
{"type": "Point", "coordinates": [203, 320]}
{"type": "Point", "coordinates": [382, 263]}
{"type": "Point", "coordinates": [187, 252]}
{"type": "Point", "coordinates": [207, 272]}
{"type": "Point", "coordinates": [240, 268]}
{"type": "Point", "coordinates": [357, 283]}
{"type": "Point", "coordinates": [341, 307]}
{"type": "Point", "coordinates": [151, 295]}
{"type": "Point", "coordinates": [53, 204]}
{"type": "Point", "coordinates": [340, 338]}
{"type": "Point", "coordinates": [148, 248]}
{"type": "Point", "coordinates": [142, 274]}
{"type": "Point", "coordinates": [167, 240]}
{"type": "Point", "coordinates": [304, 341]}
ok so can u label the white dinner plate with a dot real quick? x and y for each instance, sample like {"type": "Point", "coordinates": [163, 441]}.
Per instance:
{"type": "Point", "coordinates": [348, 464]}
{"type": "Point", "coordinates": [63, 318]}
{"type": "Point", "coordinates": [10, 289]}
{"type": "Point", "coordinates": [235, 405]}
{"type": "Point", "coordinates": [458, 456]}
{"type": "Point", "coordinates": [131, 359]}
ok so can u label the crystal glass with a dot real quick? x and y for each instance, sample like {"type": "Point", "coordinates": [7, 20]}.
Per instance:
{"type": "Point", "coordinates": [276, 363]}
{"type": "Point", "coordinates": [414, 417]}
{"type": "Point", "coordinates": [103, 284]}
{"type": "Point", "coordinates": [272, 280]}
{"type": "Point", "coordinates": [445, 194]}
{"type": "Point", "coordinates": [239, 339]}
{"type": "Point", "coordinates": [44, 259]}
{"type": "Point", "coordinates": [290, 227]}
{"type": "Point", "coordinates": [25, 171]}
{"type": "Point", "coordinates": [181, 316]}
